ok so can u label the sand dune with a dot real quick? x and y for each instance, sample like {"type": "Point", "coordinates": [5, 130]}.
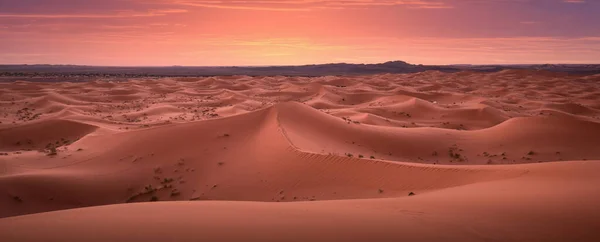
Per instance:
{"type": "Point", "coordinates": [537, 207]}
{"type": "Point", "coordinates": [42, 134]}
{"type": "Point", "coordinates": [506, 156]}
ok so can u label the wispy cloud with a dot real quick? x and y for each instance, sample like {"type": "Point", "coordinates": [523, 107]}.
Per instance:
{"type": "Point", "coordinates": [113, 14]}
{"type": "Point", "coordinates": [240, 7]}
{"type": "Point", "coordinates": [309, 5]}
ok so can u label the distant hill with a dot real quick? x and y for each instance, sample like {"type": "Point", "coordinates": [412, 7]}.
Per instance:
{"type": "Point", "coordinates": [32, 71]}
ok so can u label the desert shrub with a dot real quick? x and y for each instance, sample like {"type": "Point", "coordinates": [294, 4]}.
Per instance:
{"type": "Point", "coordinates": [52, 151]}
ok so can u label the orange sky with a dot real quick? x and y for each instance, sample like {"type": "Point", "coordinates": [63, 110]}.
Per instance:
{"type": "Point", "coordinates": [281, 32]}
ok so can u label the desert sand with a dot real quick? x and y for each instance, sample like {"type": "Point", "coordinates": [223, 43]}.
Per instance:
{"type": "Point", "coordinates": [503, 156]}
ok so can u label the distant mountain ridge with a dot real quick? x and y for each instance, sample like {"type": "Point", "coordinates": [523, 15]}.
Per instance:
{"type": "Point", "coordinates": [302, 70]}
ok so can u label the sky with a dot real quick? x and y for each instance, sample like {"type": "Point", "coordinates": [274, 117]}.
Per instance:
{"type": "Point", "coordinates": [294, 32]}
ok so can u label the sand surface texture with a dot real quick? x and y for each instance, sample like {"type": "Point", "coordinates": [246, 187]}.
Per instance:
{"type": "Point", "coordinates": [504, 156]}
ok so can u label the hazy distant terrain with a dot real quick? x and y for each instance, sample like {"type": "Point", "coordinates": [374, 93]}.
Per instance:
{"type": "Point", "coordinates": [81, 73]}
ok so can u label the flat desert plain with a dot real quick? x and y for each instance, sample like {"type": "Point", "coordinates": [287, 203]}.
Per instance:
{"type": "Point", "coordinates": [504, 156]}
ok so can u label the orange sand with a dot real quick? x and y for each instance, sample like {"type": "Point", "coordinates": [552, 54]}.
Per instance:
{"type": "Point", "coordinates": [506, 156]}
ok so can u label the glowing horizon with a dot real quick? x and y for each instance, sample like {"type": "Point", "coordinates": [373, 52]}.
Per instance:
{"type": "Point", "coordinates": [286, 32]}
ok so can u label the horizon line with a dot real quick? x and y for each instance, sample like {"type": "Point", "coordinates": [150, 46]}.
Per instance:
{"type": "Point", "coordinates": [331, 63]}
